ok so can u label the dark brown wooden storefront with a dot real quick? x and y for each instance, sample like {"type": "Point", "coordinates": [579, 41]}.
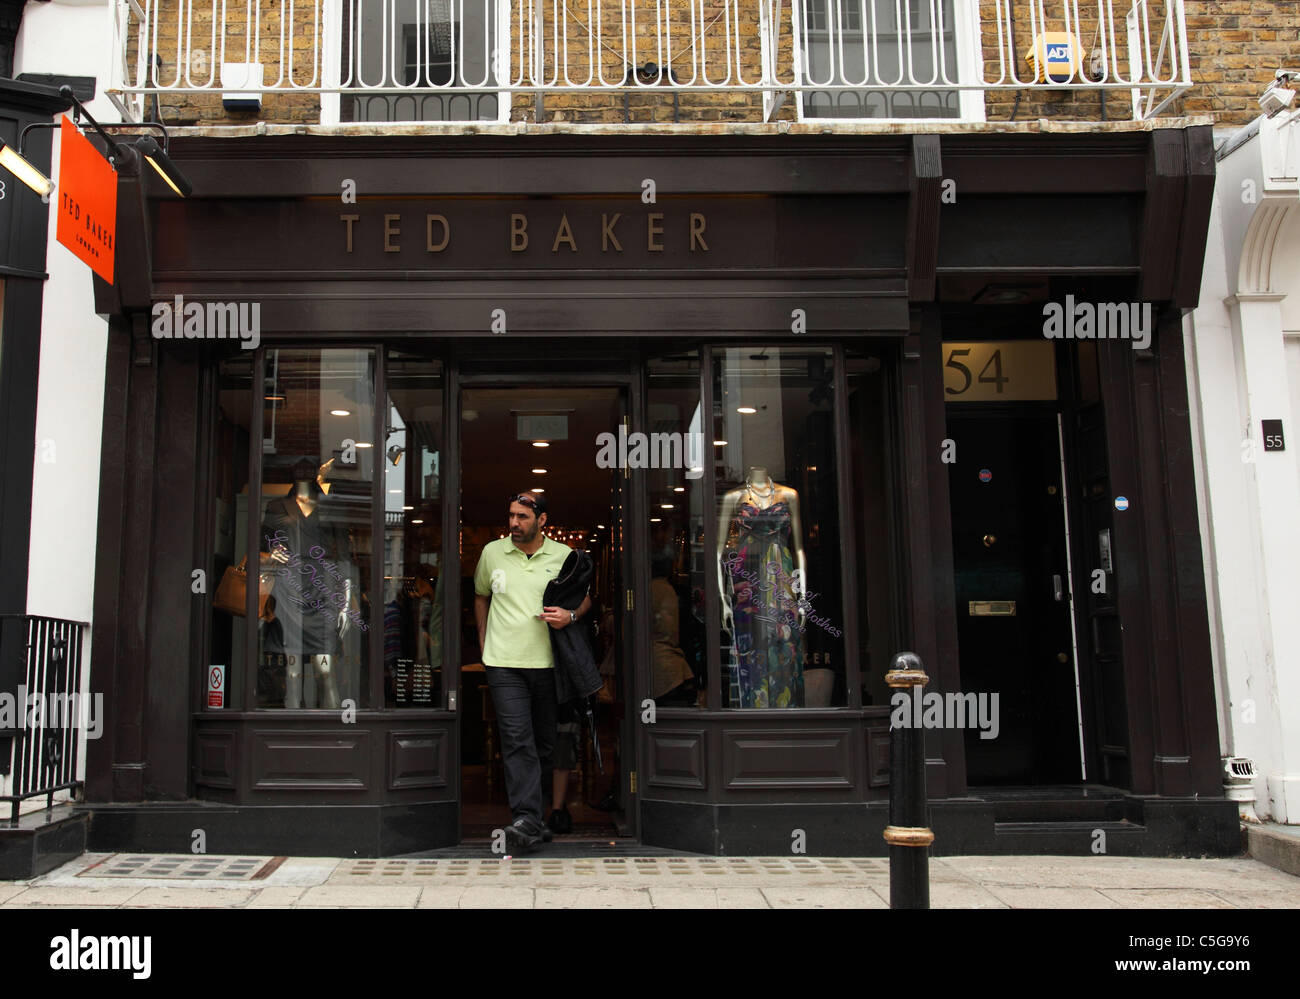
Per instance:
{"type": "Point", "coordinates": [884, 243]}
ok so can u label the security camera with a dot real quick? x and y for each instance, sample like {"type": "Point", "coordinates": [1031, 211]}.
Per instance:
{"type": "Point", "coordinates": [1279, 96]}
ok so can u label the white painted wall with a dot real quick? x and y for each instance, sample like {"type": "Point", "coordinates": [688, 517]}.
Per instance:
{"type": "Point", "coordinates": [69, 38]}
{"type": "Point", "coordinates": [1241, 370]}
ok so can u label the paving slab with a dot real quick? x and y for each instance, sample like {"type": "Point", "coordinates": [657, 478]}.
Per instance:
{"type": "Point", "coordinates": [795, 897]}
{"type": "Point", "coordinates": [1051, 898]}
{"type": "Point", "coordinates": [441, 897]}
{"type": "Point", "coordinates": [1258, 899]}
{"type": "Point", "coordinates": [74, 895]}
{"type": "Point", "coordinates": [1118, 872]}
{"type": "Point", "coordinates": [678, 897]}
{"type": "Point", "coordinates": [591, 898]}
{"type": "Point", "coordinates": [189, 898]}
{"type": "Point", "coordinates": [276, 897]}
{"type": "Point", "coordinates": [361, 896]}
{"type": "Point", "coordinates": [950, 896]}
{"type": "Point", "coordinates": [8, 889]}
{"type": "Point", "coordinates": [493, 897]}
{"type": "Point", "coordinates": [1166, 898]}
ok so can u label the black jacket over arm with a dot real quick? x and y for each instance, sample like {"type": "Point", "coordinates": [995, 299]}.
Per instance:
{"type": "Point", "coordinates": [576, 674]}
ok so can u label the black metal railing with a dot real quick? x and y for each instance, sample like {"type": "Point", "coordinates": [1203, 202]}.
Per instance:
{"type": "Point", "coordinates": [47, 706]}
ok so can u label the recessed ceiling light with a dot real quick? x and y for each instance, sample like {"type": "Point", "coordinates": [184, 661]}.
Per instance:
{"type": "Point", "coordinates": [340, 412]}
{"type": "Point", "coordinates": [679, 489]}
{"type": "Point", "coordinates": [363, 444]}
{"type": "Point", "coordinates": [417, 522]}
{"type": "Point", "coordinates": [601, 526]}
{"type": "Point", "coordinates": [655, 520]}
{"type": "Point", "coordinates": [398, 491]}
{"type": "Point", "coordinates": [408, 508]}
{"type": "Point", "coordinates": [541, 443]}
{"type": "Point", "coordinates": [719, 443]}
{"type": "Point", "coordinates": [747, 410]}
{"type": "Point", "coordinates": [539, 471]}
{"type": "Point", "coordinates": [665, 506]}
{"type": "Point", "coordinates": [537, 489]}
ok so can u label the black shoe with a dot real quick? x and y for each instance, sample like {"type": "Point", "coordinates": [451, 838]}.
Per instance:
{"type": "Point", "coordinates": [560, 822]}
{"type": "Point", "coordinates": [520, 839]}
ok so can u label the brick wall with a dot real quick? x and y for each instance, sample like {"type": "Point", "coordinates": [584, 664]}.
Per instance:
{"type": "Point", "coordinates": [1235, 47]}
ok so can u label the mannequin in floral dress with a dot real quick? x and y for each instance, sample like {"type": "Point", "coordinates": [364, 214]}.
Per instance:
{"type": "Point", "coordinates": [762, 577]}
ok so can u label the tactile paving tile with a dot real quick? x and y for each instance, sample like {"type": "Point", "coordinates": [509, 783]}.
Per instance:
{"type": "Point", "coordinates": [176, 866]}
{"type": "Point", "coordinates": [424, 871]}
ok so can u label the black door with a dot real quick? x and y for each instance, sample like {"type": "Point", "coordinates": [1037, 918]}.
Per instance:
{"type": "Point", "coordinates": [1013, 596]}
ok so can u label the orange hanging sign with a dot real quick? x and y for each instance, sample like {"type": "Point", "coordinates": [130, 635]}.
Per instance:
{"type": "Point", "coordinates": [87, 196]}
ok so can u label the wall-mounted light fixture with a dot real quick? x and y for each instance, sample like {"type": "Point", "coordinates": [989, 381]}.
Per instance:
{"type": "Point", "coordinates": [157, 158]}
{"type": "Point", "coordinates": [13, 161]}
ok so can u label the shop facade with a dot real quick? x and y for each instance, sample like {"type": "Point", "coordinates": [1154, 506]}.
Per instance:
{"type": "Point", "coordinates": [801, 397]}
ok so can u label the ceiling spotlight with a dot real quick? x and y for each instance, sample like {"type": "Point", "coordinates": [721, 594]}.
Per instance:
{"type": "Point", "coordinates": [665, 506]}
{"type": "Point", "coordinates": [655, 520]}
{"type": "Point", "coordinates": [148, 148]}
{"type": "Point", "coordinates": [340, 412]}
{"type": "Point", "coordinates": [24, 171]}
{"type": "Point", "coordinates": [537, 489]}
{"type": "Point", "coordinates": [408, 508]}
{"type": "Point", "coordinates": [747, 410]}
{"type": "Point", "coordinates": [601, 526]}
{"type": "Point", "coordinates": [364, 444]}
{"type": "Point", "coordinates": [541, 443]}
{"type": "Point", "coordinates": [679, 489]}
{"type": "Point", "coordinates": [398, 491]}
{"type": "Point", "coordinates": [539, 471]}
{"type": "Point", "coordinates": [719, 443]}
{"type": "Point", "coordinates": [417, 521]}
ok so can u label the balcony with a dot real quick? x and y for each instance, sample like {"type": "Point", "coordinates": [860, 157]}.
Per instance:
{"type": "Point", "coordinates": [608, 61]}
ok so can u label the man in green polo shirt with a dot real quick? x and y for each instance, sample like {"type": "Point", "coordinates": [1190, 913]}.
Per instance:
{"type": "Point", "coordinates": [509, 581]}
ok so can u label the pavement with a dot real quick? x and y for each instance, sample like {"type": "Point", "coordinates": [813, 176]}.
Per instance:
{"type": "Point", "coordinates": [162, 881]}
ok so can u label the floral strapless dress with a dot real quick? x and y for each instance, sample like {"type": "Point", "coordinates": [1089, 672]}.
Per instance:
{"type": "Point", "coordinates": [767, 653]}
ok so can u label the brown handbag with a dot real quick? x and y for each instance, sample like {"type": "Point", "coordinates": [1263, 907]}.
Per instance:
{"type": "Point", "coordinates": [233, 587]}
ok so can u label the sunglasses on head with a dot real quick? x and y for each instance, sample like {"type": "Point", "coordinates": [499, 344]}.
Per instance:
{"type": "Point", "coordinates": [525, 499]}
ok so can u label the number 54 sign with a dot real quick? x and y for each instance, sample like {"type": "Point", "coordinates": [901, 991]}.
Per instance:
{"type": "Point", "coordinates": [999, 371]}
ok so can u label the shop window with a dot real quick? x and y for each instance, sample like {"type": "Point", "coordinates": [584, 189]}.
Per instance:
{"type": "Point", "coordinates": [319, 461]}
{"type": "Point", "coordinates": [413, 567]}
{"type": "Point", "coordinates": [228, 611]}
{"type": "Point", "coordinates": [777, 564]}
{"type": "Point", "coordinates": [873, 521]}
{"type": "Point", "coordinates": [678, 563]}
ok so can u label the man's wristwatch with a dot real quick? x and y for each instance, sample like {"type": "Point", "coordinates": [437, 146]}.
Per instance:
{"type": "Point", "coordinates": [573, 617]}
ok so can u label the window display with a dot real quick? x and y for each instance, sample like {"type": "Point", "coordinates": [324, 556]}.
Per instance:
{"type": "Point", "coordinates": [777, 559]}
{"type": "Point", "coordinates": [318, 466]}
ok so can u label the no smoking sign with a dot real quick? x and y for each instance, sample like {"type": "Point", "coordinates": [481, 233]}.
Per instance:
{"type": "Point", "coordinates": [217, 687]}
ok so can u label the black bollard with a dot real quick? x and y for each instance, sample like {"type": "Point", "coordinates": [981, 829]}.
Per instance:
{"type": "Point", "coordinates": [908, 833]}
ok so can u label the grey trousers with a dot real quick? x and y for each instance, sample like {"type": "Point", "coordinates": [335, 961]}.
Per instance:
{"type": "Point", "coordinates": [524, 700]}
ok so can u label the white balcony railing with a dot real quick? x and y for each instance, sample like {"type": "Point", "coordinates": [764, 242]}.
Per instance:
{"type": "Point", "coordinates": [494, 60]}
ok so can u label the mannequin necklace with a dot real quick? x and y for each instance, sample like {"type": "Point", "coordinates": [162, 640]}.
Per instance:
{"type": "Point", "coordinates": [761, 494]}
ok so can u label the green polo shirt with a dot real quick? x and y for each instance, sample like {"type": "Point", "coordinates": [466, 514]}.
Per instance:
{"type": "Point", "coordinates": [516, 636]}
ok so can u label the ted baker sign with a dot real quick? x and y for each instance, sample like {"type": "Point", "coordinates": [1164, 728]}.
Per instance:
{"type": "Point", "coordinates": [608, 234]}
